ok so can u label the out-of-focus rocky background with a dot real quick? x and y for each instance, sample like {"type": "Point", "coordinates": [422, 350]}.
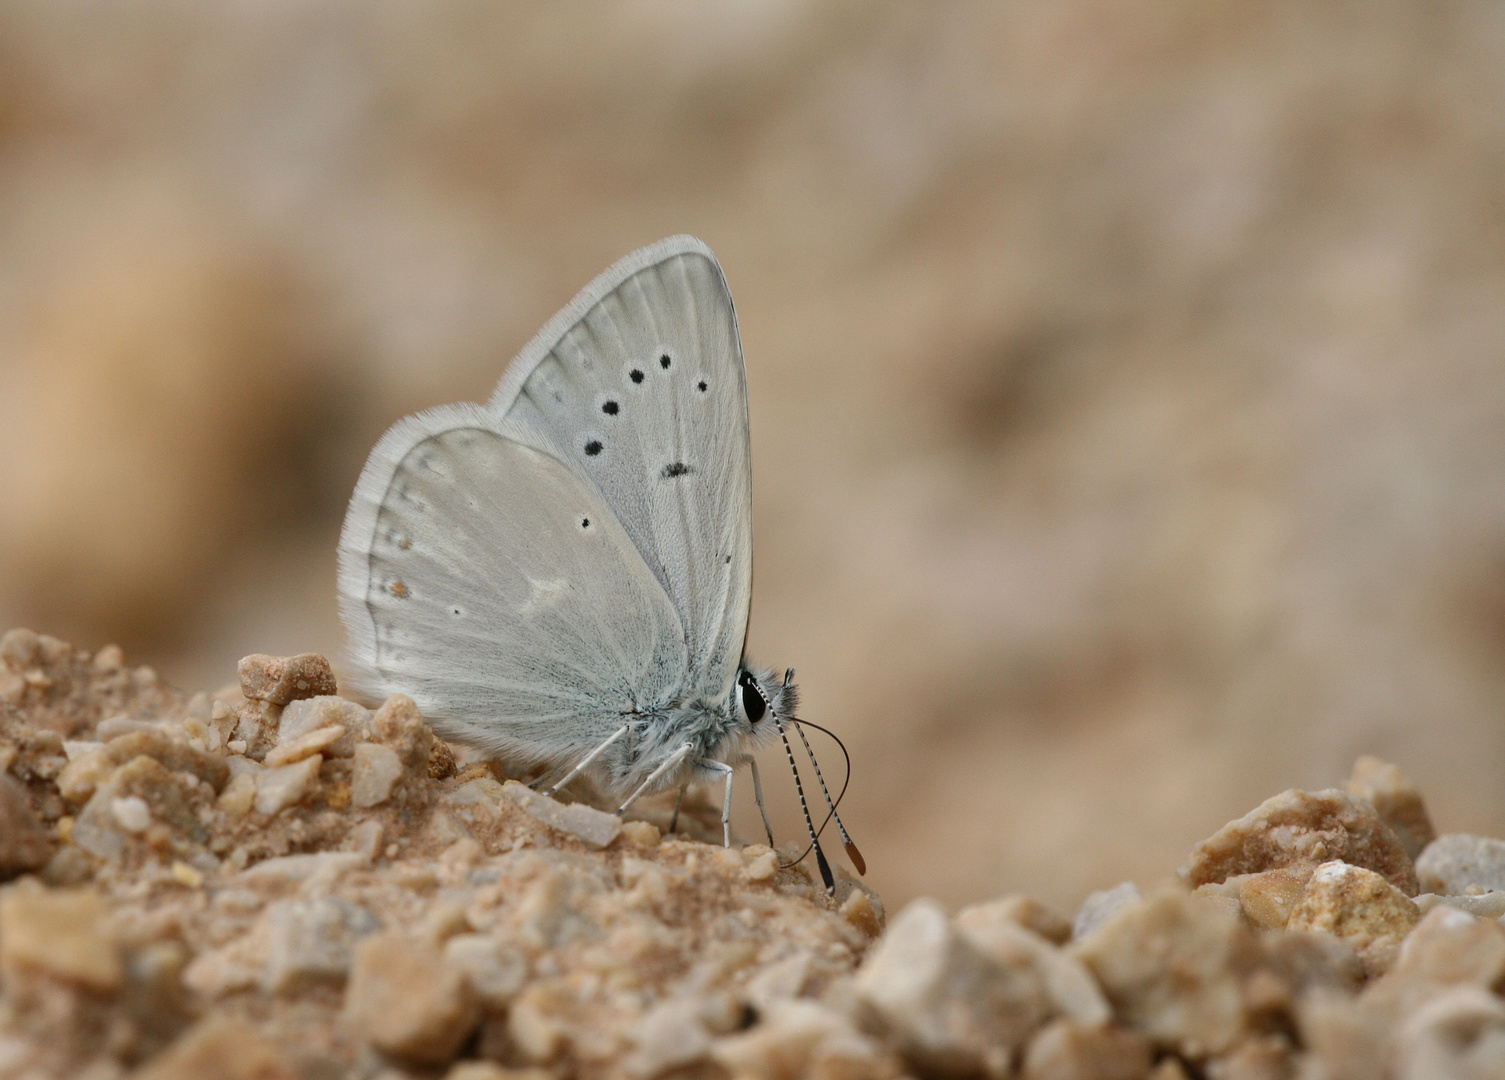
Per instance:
{"type": "Point", "coordinates": [1128, 383]}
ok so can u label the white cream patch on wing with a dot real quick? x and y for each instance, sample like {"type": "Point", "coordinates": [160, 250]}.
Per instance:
{"type": "Point", "coordinates": [544, 595]}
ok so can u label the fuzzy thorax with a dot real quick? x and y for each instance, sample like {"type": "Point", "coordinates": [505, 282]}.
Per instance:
{"type": "Point", "coordinates": [716, 731]}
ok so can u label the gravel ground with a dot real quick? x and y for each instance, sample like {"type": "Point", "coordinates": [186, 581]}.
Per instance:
{"type": "Point", "coordinates": [273, 881]}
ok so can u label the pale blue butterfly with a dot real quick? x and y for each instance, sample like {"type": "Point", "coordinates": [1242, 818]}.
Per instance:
{"type": "Point", "coordinates": [563, 574]}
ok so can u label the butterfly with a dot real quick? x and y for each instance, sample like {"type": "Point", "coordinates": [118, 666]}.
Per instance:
{"type": "Point", "coordinates": [563, 575]}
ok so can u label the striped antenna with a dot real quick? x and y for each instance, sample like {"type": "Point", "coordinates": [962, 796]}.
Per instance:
{"type": "Point", "coordinates": [820, 856]}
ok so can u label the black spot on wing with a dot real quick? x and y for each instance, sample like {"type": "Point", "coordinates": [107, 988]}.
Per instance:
{"type": "Point", "coordinates": [701, 386]}
{"type": "Point", "coordinates": [663, 361]}
{"type": "Point", "coordinates": [610, 408]}
{"type": "Point", "coordinates": [636, 375]}
{"type": "Point", "coordinates": [679, 468]}
{"type": "Point", "coordinates": [593, 447]}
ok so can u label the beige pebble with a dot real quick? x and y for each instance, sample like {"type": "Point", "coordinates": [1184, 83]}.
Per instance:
{"type": "Point", "coordinates": [310, 714]}
{"type": "Point", "coordinates": [60, 931]}
{"type": "Point", "coordinates": [313, 866]}
{"type": "Point", "coordinates": [279, 788]}
{"type": "Point", "coordinates": [1452, 864]}
{"type": "Point", "coordinates": [481, 789]}
{"type": "Point", "coordinates": [856, 909]}
{"type": "Point", "coordinates": [187, 875]}
{"type": "Point", "coordinates": [285, 753]}
{"type": "Point", "coordinates": [595, 827]}
{"type": "Point", "coordinates": [536, 1021]}
{"type": "Point", "coordinates": [375, 771]}
{"type": "Point", "coordinates": [217, 972]}
{"type": "Point", "coordinates": [1100, 906]}
{"type": "Point", "coordinates": [1397, 799]}
{"type": "Point", "coordinates": [20, 647]}
{"type": "Point", "coordinates": [220, 1047]}
{"type": "Point", "coordinates": [1344, 1038]}
{"type": "Point", "coordinates": [1064, 1050]}
{"type": "Point", "coordinates": [368, 839]}
{"type": "Point", "coordinates": [1268, 899]}
{"type": "Point", "coordinates": [1026, 911]}
{"type": "Point", "coordinates": [1485, 905]}
{"type": "Point", "coordinates": [407, 1002]}
{"type": "Point", "coordinates": [762, 866]}
{"type": "Point", "coordinates": [941, 1000]}
{"type": "Point", "coordinates": [24, 840]}
{"type": "Point", "coordinates": [1359, 906]}
{"type": "Point", "coordinates": [109, 658]}
{"type": "Point", "coordinates": [73, 749]}
{"type": "Point", "coordinates": [1258, 1056]}
{"type": "Point", "coordinates": [1068, 985]}
{"type": "Point", "coordinates": [1298, 830]}
{"type": "Point", "coordinates": [311, 942]}
{"type": "Point", "coordinates": [1460, 1033]}
{"type": "Point", "coordinates": [281, 679]}
{"type": "Point", "coordinates": [1173, 968]}
{"type": "Point", "coordinates": [495, 970]}
{"type": "Point", "coordinates": [803, 1038]}
{"type": "Point", "coordinates": [113, 727]}
{"type": "Point", "coordinates": [239, 795]}
{"type": "Point", "coordinates": [400, 725]}
{"type": "Point", "coordinates": [672, 1035]}
{"type": "Point", "coordinates": [641, 834]}
{"type": "Point", "coordinates": [256, 724]}
{"type": "Point", "coordinates": [1447, 948]}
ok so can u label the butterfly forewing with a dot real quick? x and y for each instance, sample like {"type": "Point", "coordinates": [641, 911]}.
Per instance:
{"type": "Point", "coordinates": [639, 384]}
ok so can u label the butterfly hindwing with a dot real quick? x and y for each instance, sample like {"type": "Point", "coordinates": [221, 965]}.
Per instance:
{"type": "Point", "coordinates": [639, 384]}
{"type": "Point", "coordinates": [484, 578]}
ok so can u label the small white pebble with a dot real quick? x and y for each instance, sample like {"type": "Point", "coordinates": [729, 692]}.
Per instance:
{"type": "Point", "coordinates": [184, 874]}
{"type": "Point", "coordinates": [132, 813]}
{"type": "Point", "coordinates": [279, 788]}
{"type": "Point", "coordinates": [304, 746]}
{"type": "Point", "coordinates": [236, 746]}
{"type": "Point", "coordinates": [762, 867]}
{"type": "Point", "coordinates": [77, 748]}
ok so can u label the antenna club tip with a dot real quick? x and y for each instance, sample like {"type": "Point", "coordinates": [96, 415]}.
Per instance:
{"type": "Point", "coordinates": [825, 871]}
{"type": "Point", "coordinates": [856, 857]}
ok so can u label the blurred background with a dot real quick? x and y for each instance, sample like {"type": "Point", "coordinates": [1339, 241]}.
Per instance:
{"type": "Point", "coordinates": [1128, 381]}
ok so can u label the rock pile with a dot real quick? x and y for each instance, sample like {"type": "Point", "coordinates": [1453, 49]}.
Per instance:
{"type": "Point", "coordinates": [275, 882]}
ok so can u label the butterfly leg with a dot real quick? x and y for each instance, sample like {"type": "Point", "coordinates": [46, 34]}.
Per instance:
{"type": "Point", "coordinates": [678, 799]}
{"type": "Point", "coordinates": [664, 766]}
{"type": "Point", "coordinates": [752, 763]}
{"type": "Point", "coordinates": [588, 758]}
{"type": "Point", "coordinates": [726, 800]}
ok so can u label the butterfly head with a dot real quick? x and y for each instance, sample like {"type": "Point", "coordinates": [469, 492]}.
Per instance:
{"type": "Point", "coordinates": [760, 701]}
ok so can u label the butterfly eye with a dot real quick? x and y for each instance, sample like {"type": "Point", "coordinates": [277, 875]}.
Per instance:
{"type": "Point", "coordinates": [753, 702]}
